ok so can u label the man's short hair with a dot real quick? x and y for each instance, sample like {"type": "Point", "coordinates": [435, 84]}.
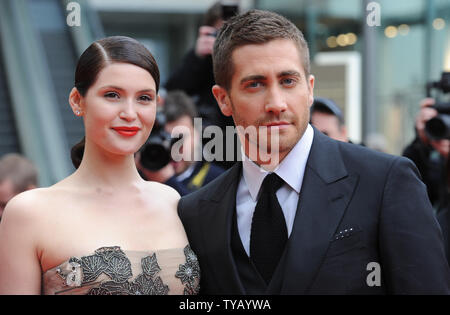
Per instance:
{"type": "Point", "coordinates": [177, 104]}
{"type": "Point", "coordinates": [19, 170]}
{"type": "Point", "coordinates": [253, 27]}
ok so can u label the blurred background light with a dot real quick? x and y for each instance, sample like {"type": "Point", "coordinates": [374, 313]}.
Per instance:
{"type": "Point", "coordinates": [391, 31]}
{"type": "Point", "coordinates": [331, 42]}
{"type": "Point", "coordinates": [342, 40]}
{"type": "Point", "coordinates": [403, 29]}
{"type": "Point", "coordinates": [438, 24]}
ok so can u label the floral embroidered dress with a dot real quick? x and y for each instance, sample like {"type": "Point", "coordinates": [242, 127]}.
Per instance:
{"type": "Point", "coordinates": [112, 271]}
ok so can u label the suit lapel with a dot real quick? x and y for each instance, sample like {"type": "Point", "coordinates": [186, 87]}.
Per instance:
{"type": "Point", "coordinates": [326, 190]}
{"type": "Point", "coordinates": [216, 214]}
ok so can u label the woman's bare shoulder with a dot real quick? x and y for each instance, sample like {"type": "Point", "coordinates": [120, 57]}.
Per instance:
{"type": "Point", "coordinates": [33, 204]}
{"type": "Point", "coordinates": [23, 211]}
{"type": "Point", "coordinates": [162, 197]}
{"type": "Point", "coordinates": [163, 191]}
{"type": "Point", "coordinates": [27, 200]}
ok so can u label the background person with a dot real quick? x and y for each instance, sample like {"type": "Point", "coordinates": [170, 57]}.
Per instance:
{"type": "Point", "coordinates": [195, 76]}
{"type": "Point", "coordinates": [103, 229]}
{"type": "Point", "coordinates": [430, 157]}
{"type": "Point", "coordinates": [17, 174]}
{"type": "Point", "coordinates": [186, 175]}
{"type": "Point", "coordinates": [327, 117]}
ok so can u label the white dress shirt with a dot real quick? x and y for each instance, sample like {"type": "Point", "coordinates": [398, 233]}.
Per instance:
{"type": "Point", "coordinates": [291, 170]}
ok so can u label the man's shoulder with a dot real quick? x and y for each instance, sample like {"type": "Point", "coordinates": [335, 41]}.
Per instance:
{"type": "Point", "coordinates": [216, 185]}
{"type": "Point", "coordinates": [364, 155]}
{"type": "Point", "coordinates": [372, 163]}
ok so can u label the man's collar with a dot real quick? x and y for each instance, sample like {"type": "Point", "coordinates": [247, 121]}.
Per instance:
{"type": "Point", "coordinates": [291, 169]}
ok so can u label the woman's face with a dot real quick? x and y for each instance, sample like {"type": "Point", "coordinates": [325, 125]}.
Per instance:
{"type": "Point", "coordinates": [119, 108]}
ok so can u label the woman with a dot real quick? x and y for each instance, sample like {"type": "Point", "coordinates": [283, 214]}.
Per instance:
{"type": "Point", "coordinates": [102, 230]}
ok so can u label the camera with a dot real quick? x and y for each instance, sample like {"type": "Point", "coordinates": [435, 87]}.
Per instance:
{"type": "Point", "coordinates": [438, 127]}
{"type": "Point", "coordinates": [156, 152]}
{"type": "Point", "coordinates": [229, 9]}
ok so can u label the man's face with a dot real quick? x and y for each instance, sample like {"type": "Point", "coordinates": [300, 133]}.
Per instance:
{"type": "Point", "coordinates": [329, 125]}
{"type": "Point", "coordinates": [189, 142]}
{"type": "Point", "coordinates": [6, 193]}
{"type": "Point", "coordinates": [442, 146]}
{"type": "Point", "coordinates": [269, 89]}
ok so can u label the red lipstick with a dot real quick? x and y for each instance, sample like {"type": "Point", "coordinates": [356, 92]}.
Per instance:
{"type": "Point", "coordinates": [126, 131]}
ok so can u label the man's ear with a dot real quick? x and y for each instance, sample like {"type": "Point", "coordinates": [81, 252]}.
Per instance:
{"type": "Point", "coordinates": [222, 99]}
{"type": "Point", "coordinates": [311, 89]}
{"type": "Point", "coordinates": [75, 99]}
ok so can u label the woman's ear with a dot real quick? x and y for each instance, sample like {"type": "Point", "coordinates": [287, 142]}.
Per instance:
{"type": "Point", "coordinates": [222, 99]}
{"type": "Point", "coordinates": [75, 100]}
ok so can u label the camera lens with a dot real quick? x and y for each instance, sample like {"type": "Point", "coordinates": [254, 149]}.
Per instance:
{"type": "Point", "coordinates": [155, 156]}
{"type": "Point", "coordinates": [438, 127]}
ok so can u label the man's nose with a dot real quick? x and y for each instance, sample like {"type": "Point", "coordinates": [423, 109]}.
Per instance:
{"type": "Point", "coordinates": [276, 102]}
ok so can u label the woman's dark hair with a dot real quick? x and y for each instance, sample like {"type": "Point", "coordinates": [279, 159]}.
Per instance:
{"type": "Point", "coordinates": [102, 53]}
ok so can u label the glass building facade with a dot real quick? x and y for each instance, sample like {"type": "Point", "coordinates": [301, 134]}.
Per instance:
{"type": "Point", "coordinates": [373, 57]}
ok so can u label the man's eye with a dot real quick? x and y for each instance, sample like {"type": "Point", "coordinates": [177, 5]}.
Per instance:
{"type": "Point", "coordinates": [111, 95]}
{"type": "Point", "coordinates": [254, 84]}
{"type": "Point", "coordinates": [288, 81]}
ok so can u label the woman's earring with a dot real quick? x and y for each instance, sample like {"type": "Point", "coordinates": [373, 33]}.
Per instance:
{"type": "Point", "coordinates": [77, 112]}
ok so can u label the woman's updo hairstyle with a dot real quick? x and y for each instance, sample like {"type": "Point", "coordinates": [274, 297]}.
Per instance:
{"type": "Point", "coordinates": [104, 52]}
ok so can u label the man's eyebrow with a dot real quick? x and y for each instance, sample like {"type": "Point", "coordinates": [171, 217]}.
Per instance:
{"type": "Point", "coordinates": [289, 73]}
{"type": "Point", "coordinates": [255, 77]}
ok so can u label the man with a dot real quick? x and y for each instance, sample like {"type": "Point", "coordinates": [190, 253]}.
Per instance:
{"type": "Point", "coordinates": [355, 221]}
{"type": "Point", "coordinates": [431, 157]}
{"type": "Point", "coordinates": [185, 175]}
{"type": "Point", "coordinates": [327, 117]}
{"type": "Point", "coordinates": [195, 74]}
{"type": "Point", "coordinates": [17, 174]}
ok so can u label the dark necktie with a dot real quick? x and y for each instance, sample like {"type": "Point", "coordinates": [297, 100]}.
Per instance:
{"type": "Point", "coordinates": [269, 234]}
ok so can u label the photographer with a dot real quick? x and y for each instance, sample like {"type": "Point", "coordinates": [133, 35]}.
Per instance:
{"type": "Point", "coordinates": [195, 74]}
{"type": "Point", "coordinates": [186, 175]}
{"type": "Point", "coordinates": [430, 156]}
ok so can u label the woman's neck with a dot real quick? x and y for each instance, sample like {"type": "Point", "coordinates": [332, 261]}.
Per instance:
{"type": "Point", "coordinates": [105, 169]}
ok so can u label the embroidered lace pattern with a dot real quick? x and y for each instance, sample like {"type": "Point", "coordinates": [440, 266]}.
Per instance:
{"type": "Point", "coordinates": [111, 271]}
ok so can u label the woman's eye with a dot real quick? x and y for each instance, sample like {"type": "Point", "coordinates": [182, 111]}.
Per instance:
{"type": "Point", "coordinates": [146, 98]}
{"type": "Point", "coordinates": [111, 95]}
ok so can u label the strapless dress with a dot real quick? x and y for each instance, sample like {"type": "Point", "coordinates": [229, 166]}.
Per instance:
{"type": "Point", "coordinates": [112, 271]}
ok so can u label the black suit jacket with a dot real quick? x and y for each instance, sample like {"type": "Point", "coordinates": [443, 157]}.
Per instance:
{"type": "Point", "coordinates": [356, 206]}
